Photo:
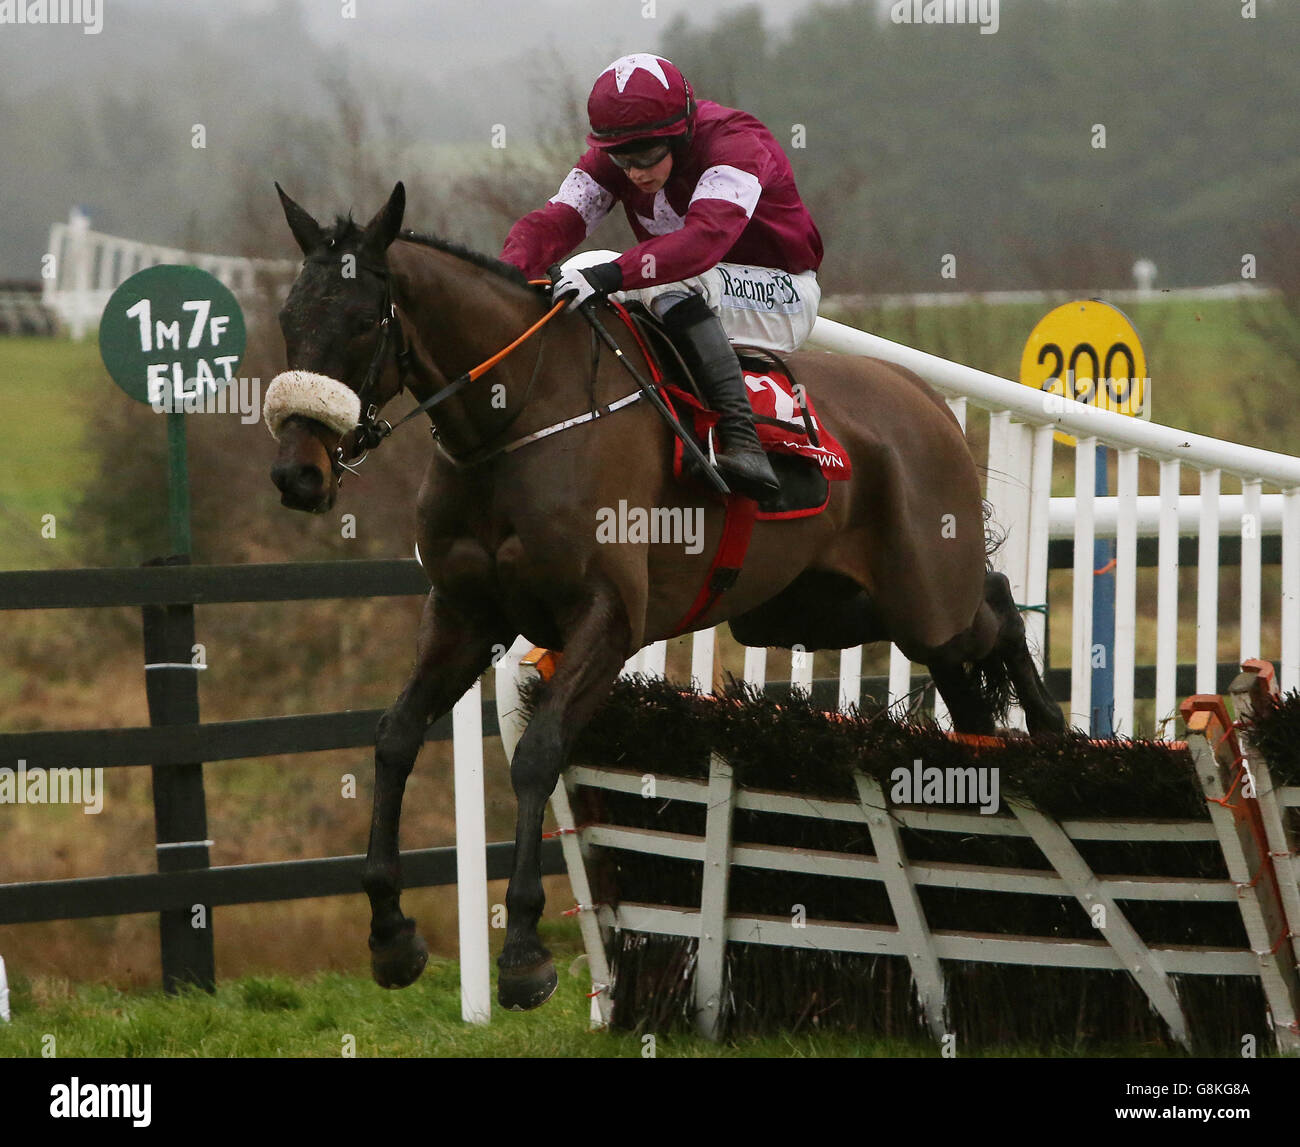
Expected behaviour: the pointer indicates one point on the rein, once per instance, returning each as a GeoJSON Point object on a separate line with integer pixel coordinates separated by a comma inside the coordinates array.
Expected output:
{"type": "Point", "coordinates": [372, 430]}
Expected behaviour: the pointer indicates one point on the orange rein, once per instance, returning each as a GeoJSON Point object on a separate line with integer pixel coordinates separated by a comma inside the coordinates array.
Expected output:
{"type": "Point", "coordinates": [488, 364]}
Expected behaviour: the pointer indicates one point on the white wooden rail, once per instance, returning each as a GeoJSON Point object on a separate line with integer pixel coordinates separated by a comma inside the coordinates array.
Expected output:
{"type": "Point", "coordinates": [87, 266]}
{"type": "Point", "coordinates": [1021, 427]}
{"type": "Point", "coordinates": [1022, 423]}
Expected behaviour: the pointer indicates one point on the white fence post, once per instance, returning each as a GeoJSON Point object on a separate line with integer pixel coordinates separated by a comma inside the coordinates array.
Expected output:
{"type": "Point", "coordinates": [78, 260]}
{"type": "Point", "coordinates": [710, 972]}
{"type": "Point", "coordinates": [1085, 469]}
{"type": "Point", "coordinates": [471, 857]}
{"type": "Point", "coordinates": [1291, 590]}
{"type": "Point", "coordinates": [1040, 504]}
{"type": "Point", "coordinates": [1126, 593]}
{"type": "Point", "coordinates": [900, 681]}
{"type": "Point", "coordinates": [1252, 533]}
{"type": "Point", "coordinates": [702, 646]}
{"type": "Point", "coordinates": [1207, 586]}
{"type": "Point", "coordinates": [1167, 602]}
{"type": "Point", "coordinates": [654, 658]}
{"type": "Point", "coordinates": [801, 672]}
{"type": "Point", "coordinates": [850, 678]}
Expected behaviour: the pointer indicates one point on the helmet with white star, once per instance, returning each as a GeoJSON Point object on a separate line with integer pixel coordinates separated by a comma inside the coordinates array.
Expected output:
{"type": "Point", "coordinates": [641, 96]}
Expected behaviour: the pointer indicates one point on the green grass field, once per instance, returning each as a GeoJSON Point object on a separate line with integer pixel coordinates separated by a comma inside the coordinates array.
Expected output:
{"type": "Point", "coordinates": [331, 1014]}
{"type": "Point", "coordinates": [48, 392]}
{"type": "Point", "coordinates": [313, 1016]}
{"type": "Point", "coordinates": [279, 1016]}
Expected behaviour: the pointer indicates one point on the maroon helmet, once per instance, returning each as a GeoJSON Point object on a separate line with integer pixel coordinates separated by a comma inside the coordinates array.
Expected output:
{"type": "Point", "coordinates": [641, 96]}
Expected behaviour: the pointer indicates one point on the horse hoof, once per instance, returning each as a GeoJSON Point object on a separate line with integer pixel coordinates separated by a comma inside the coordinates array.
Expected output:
{"type": "Point", "coordinates": [399, 962]}
{"type": "Point", "coordinates": [522, 990]}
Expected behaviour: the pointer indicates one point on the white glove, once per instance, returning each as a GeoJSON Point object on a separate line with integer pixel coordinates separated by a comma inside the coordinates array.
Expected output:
{"type": "Point", "coordinates": [584, 283]}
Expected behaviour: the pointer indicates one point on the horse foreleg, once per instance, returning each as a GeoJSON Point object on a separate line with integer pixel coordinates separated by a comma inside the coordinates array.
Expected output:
{"type": "Point", "coordinates": [1042, 713]}
{"type": "Point", "coordinates": [973, 670]}
{"type": "Point", "coordinates": [453, 648]}
{"type": "Point", "coordinates": [595, 648]}
{"type": "Point", "coordinates": [953, 667]}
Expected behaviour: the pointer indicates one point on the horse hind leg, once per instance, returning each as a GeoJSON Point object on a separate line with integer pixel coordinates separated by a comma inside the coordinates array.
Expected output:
{"type": "Point", "coordinates": [1010, 660]}
{"type": "Point", "coordinates": [981, 671]}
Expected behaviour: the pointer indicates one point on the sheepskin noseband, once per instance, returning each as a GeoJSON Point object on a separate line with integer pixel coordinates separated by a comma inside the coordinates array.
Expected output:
{"type": "Point", "coordinates": [315, 396]}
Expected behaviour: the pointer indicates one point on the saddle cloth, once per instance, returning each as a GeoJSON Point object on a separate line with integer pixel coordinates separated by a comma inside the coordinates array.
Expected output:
{"type": "Point", "coordinates": [805, 466]}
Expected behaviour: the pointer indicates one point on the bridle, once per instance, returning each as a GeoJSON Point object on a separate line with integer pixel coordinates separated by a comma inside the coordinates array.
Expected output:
{"type": "Point", "coordinates": [371, 430]}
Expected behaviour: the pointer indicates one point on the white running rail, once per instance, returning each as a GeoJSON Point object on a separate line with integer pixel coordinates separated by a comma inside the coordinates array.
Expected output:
{"type": "Point", "coordinates": [87, 266]}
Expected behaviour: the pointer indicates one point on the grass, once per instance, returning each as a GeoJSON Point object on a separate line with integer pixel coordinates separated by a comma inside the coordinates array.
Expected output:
{"type": "Point", "coordinates": [48, 391]}
{"type": "Point", "coordinates": [280, 1016]}
{"type": "Point", "coordinates": [331, 1014]}
{"type": "Point", "coordinates": [275, 1016]}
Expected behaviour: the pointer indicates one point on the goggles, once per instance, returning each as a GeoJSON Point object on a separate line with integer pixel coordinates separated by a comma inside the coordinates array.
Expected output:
{"type": "Point", "coordinates": [641, 159]}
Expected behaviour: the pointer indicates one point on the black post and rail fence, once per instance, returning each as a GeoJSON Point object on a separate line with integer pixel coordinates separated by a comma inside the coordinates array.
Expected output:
{"type": "Point", "coordinates": [175, 745]}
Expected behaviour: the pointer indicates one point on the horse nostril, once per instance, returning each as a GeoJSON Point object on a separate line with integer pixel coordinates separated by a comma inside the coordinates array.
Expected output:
{"type": "Point", "coordinates": [301, 482]}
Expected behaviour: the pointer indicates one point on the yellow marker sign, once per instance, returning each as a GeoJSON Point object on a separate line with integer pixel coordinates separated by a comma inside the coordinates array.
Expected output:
{"type": "Point", "coordinates": [1088, 351]}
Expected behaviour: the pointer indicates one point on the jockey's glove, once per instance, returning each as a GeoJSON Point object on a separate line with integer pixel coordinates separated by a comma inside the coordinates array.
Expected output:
{"type": "Point", "coordinates": [583, 283]}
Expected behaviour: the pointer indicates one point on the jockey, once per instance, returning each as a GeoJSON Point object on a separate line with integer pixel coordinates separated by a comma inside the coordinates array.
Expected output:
{"type": "Point", "coordinates": [726, 247]}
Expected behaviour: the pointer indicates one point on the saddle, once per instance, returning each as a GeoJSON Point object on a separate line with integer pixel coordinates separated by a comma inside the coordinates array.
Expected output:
{"type": "Point", "coordinates": [804, 455]}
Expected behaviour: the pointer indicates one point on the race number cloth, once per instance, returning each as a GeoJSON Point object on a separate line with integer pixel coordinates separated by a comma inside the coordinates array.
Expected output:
{"type": "Point", "coordinates": [805, 469]}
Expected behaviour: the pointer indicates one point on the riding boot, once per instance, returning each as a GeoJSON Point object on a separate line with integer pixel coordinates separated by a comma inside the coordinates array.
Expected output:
{"type": "Point", "coordinates": [698, 334]}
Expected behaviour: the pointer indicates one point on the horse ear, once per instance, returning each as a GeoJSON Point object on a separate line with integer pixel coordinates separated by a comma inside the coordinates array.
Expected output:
{"type": "Point", "coordinates": [386, 224]}
{"type": "Point", "coordinates": [305, 229]}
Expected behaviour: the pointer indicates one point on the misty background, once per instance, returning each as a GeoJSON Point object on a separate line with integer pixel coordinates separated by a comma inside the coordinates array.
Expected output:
{"type": "Point", "coordinates": [920, 141]}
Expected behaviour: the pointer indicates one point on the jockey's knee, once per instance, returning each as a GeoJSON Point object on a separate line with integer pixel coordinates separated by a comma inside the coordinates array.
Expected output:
{"type": "Point", "coordinates": [662, 304]}
{"type": "Point", "coordinates": [662, 297]}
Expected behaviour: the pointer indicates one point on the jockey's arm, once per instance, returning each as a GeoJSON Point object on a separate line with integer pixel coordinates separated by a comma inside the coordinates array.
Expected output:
{"type": "Point", "coordinates": [712, 224]}
{"type": "Point", "coordinates": [545, 236]}
{"type": "Point", "coordinates": [736, 170]}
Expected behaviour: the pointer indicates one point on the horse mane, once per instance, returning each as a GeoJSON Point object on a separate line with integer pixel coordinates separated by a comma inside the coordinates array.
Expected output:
{"type": "Point", "coordinates": [345, 228]}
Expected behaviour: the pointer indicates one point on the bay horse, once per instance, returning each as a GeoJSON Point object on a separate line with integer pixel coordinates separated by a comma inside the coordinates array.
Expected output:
{"type": "Point", "coordinates": [508, 539]}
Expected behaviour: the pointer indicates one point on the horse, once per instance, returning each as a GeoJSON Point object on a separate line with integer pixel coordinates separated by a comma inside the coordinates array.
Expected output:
{"type": "Point", "coordinates": [507, 526]}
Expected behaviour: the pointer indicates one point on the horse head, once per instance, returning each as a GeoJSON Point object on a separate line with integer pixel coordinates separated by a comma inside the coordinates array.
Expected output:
{"type": "Point", "coordinates": [338, 324]}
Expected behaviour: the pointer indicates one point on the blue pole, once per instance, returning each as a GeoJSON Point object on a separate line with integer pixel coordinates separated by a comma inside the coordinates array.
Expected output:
{"type": "Point", "coordinates": [1103, 622]}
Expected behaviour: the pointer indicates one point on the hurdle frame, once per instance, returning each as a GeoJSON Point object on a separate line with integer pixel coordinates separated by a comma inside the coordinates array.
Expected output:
{"type": "Point", "coordinates": [1217, 759]}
